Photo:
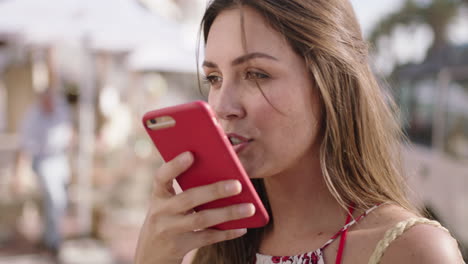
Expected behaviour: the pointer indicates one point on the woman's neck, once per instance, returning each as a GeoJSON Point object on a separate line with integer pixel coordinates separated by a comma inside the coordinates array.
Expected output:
{"type": "Point", "coordinates": [301, 204]}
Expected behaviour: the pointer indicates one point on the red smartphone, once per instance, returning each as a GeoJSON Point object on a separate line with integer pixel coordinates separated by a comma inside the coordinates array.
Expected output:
{"type": "Point", "coordinates": [193, 127]}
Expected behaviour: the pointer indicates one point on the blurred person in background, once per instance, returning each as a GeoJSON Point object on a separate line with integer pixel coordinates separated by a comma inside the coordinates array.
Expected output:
{"type": "Point", "coordinates": [319, 139]}
{"type": "Point", "coordinates": [45, 136]}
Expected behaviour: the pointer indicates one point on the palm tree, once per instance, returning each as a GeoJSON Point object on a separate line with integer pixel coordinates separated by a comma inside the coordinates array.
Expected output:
{"type": "Point", "coordinates": [437, 14]}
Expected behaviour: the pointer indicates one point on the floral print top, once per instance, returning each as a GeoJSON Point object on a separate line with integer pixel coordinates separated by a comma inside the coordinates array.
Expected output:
{"type": "Point", "coordinates": [314, 257]}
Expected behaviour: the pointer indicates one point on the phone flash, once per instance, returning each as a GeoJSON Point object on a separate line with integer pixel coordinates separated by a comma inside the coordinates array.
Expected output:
{"type": "Point", "coordinates": [160, 122]}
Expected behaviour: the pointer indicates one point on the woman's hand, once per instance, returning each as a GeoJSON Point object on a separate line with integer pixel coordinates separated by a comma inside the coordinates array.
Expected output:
{"type": "Point", "coordinates": [171, 230]}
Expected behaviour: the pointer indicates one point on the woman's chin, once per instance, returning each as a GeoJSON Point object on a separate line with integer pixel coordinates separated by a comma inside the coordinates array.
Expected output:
{"type": "Point", "coordinates": [255, 173]}
{"type": "Point", "coordinates": [253, 170]}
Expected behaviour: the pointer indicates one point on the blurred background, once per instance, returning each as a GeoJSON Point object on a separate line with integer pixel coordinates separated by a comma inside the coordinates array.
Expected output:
{"type": "Point", "coordinates": [93, 67]}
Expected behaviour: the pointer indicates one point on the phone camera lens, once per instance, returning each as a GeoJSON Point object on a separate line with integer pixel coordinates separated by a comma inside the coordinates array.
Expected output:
{"type": "Point", "coordinates": [153, 121]}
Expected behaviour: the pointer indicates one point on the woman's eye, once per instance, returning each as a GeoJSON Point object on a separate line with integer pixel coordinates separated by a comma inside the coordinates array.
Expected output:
{"type": "Point", "coordinates": [213, 79]}
{"type": "Point", "coordinates": [251, 75]}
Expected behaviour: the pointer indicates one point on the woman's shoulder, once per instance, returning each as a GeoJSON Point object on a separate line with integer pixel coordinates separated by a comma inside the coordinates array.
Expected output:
{"type": "Point", "coordinates": [400, 236]}
{"type": "Point", "coordinates": [423, 243]}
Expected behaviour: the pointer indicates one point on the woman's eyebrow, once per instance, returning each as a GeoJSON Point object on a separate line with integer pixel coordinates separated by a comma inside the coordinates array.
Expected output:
{"type": "Point", "coordinates": [241, 59]}
{"type": "Point", "coordinates": [250, 56]}
{"type": "Point", "coordinates": [209, 64]}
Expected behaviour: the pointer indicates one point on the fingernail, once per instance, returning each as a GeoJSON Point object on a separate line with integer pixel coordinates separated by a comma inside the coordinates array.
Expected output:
{"type": "Point", "coordinates": [186, 157]}
{"type": "Point", "coordinates": [233, 187]}
{"type": "Point", "coordinates": [247, 209]}
{"type": "Point", "coordinates": [241, 231]}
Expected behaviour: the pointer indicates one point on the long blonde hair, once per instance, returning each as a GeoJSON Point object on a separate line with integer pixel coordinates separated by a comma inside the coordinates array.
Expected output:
{"type": "Point", "coordinates": [361, 137]}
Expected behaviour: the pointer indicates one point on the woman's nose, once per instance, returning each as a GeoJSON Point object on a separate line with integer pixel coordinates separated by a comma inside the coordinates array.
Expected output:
{"type": "Point", "coordinates": [227, 102]}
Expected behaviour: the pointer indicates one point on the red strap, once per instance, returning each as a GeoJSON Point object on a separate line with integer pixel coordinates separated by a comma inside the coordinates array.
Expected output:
{"type": "Point", "coordinates": [339, 255]}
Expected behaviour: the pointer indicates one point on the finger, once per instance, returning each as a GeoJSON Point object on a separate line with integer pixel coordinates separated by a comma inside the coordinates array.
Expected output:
{"type": "Point", "coordinates": [169, 171]}
{"type": "Point", "coordinates": [212, 236]}
{"type": "Point", "coordinates": [207, 218]}
{"type": "Point", "coordinates": [196, 196]}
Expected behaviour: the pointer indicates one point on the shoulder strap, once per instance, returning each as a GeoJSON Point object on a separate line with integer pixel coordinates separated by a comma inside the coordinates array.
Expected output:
{"type": "Point", "coordinates": [339, 254]}
{"type": "Point", "coordinates": [397, 231]}
{"type": "Point", "coordinates": [349, 224]}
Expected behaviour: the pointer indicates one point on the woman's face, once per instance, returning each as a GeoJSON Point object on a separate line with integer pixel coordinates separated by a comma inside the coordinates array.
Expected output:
{"type": "Point", "coordinates": [269, 138]}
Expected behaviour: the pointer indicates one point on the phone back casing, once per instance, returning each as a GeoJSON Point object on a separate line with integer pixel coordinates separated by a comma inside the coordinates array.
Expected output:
{"type": "Point", "coordinates": [197, 131]}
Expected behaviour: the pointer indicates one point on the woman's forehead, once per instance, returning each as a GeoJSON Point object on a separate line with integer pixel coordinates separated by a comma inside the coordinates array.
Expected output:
{"type": "Point", "coordinates": [227, 32]}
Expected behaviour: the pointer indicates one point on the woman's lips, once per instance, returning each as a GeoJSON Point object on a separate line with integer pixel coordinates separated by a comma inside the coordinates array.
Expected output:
{"type": "Point", "coordinates": [239, 147]}
{"type": "Point", "coordinates": [238, 142]}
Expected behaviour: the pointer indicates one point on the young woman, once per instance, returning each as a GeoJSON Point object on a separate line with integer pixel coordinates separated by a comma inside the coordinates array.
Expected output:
{"type": "Point", "coordinates": [290, 80]}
